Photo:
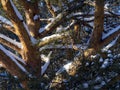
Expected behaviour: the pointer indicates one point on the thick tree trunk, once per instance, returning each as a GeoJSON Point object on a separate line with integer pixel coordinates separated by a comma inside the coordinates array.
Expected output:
{"type": "Point", "coordinates": [96, 37]}
{"type": "Point", "coordinates": [29, 52]}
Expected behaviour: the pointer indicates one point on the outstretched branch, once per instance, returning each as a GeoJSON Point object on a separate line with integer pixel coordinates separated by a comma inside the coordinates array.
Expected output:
{"type": "Point", "coordinates": [49, 6]}
{"type": "Point", "coordinates": [110, 36]}
{"type": "Point", "coordinates": [10, 43]}
{"type": "Point", "coordinates": [7, 27]}
{"type": "Point", "coordinates": [49, 39]}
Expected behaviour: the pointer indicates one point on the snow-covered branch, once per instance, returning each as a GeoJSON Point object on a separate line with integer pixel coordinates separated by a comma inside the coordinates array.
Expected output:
{"type": "Point", "coordinates": [111, 32]}
{"type": "Point", "coordinates": [49, 39]}
{"type": "Point", "coordinates": [5, 20]}
{"type": "Point", "coordinates": [16, 10]}
{"type": "Point", "coordinates": [55, 21]}
{"type": "Point", "coordinates": [17, 57]}
{"type": "Point", "coordinates": [7, 27]}
{"type": "Point", "coordinates": [47, 62]}
{"type": "Point", "coordinates": [10, 43]}
{"type": "Point", "coordinates": [110, 36]}
{"type": "Point", "coordinates": [8, 59]}
{"type": "Point", "coordinates": [60, 46]}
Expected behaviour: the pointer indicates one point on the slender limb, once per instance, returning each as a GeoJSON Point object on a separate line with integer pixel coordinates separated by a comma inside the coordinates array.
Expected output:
{"type": "Point", "coordinates": [7, 27]}
{"type": "Point", "coordinates": [49, 6]}
{"type": "Point", "coordinates": [10, 43]}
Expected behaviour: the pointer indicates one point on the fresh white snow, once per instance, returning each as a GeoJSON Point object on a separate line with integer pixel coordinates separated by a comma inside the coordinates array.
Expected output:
{"type": "Point", "coordinates": [105, 64]}
{"type": "Point", "coordinates": [11, 41]}
{"type": "Point", "coordinates": [67, 66]}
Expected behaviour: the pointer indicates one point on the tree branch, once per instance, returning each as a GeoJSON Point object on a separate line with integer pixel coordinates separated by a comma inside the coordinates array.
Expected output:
{"type": "Point", "coordinates": [47, 62]}
{"type": "Point", "coordinates": [49, 6]}
{"type": "Point", "coordinates": [49, 39]}
{"type": "Point", "coordinates": [114, 33]}
{"type": "Point", "coordinates": [59, 18]}
{"type": "Point", "coordinates": [10, 64]}
{"type": "Point", "coordinates": [7, 27]}
{"type": "Point", "coordinates": [30, 51]}
{"type": "Point", "coordinates": [10, 43]}
{"type": "Point", "coordinates": [16, 20]}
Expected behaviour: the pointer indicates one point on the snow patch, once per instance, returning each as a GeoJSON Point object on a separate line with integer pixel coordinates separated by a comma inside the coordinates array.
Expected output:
{"type": "Point", "coordinates": [41, 30]}
{"type": "Point", "coordinates": [85, 85]}
{"type": "Point", "coordinates": [105, 64]}
{"type": "Point", "coordinates": [101, 59]}
{"type": "Point", "coordinates": [36, 17]}
{"type": "Point", "coordinates": [55, 8]}
{"type": "Point", "coordinates": [67, 66]}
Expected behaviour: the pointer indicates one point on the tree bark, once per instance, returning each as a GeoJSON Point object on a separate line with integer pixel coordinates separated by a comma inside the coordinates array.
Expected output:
{"type": "Point", "coordinates": [29, 53]}
{"type": "Point", "coordinates": [32, 16]}
{"type": "Point", "coordinates": [96, 37]}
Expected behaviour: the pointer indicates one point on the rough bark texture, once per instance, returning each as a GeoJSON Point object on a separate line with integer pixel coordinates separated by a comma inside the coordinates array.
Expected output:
{"type": "Point", "coordinates": [32, 16]}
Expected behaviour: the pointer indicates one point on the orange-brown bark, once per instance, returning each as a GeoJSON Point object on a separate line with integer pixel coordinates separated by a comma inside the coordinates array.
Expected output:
{"type": "Point", "coordinates": [49, 6]}
{"type": "Point", "coordinates": [31, 9]}
{"type": "Point", "coordinates": [29, 53]}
